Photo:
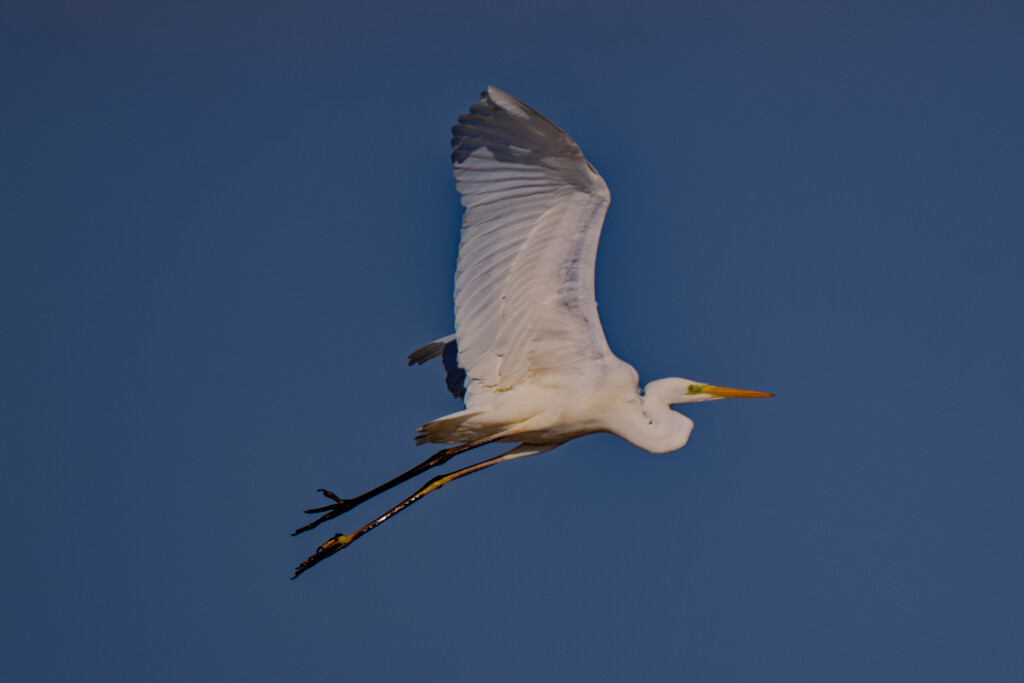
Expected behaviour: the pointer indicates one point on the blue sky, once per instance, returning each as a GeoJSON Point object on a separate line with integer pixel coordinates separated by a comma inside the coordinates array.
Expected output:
{"type": "Point", "coordinates": [224, 226]}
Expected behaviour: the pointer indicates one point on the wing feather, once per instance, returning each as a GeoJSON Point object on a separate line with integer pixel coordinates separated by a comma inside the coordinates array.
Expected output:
{"type": "Point", "coordinates": [524, 286]}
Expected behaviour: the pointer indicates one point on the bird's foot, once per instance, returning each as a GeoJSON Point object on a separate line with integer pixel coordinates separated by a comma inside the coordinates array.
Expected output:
{"type": "Point", "coordinates": [333, 545]}
{"type": "Point", "coordinates": [327, 512]}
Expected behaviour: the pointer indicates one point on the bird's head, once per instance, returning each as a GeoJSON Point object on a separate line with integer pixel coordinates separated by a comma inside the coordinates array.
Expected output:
{"type": "Point", "coordinates": [677, 391]}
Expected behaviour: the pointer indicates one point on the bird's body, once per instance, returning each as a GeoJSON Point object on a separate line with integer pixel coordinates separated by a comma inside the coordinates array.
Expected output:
{"type": "Point", "coordinates": [547, 410]}
{"type": "Point", "coordinates": [528, 337]}
{"type": "Point", "coordinates": [554, 412]}
{"type": "Point", "coordinates": [529, 356]}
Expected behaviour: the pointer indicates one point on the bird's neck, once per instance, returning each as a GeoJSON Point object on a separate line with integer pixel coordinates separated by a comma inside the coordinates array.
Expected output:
{"type": "Point", "coordinates": [663, 429]}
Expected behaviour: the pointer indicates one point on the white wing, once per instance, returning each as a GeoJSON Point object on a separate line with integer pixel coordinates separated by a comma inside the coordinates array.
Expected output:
{"type": "Point", "coordinates": [524, 287]}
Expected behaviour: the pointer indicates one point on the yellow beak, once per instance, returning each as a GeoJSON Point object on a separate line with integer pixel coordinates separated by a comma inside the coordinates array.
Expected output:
{"type": "Point", "coordinates": [726, 392]}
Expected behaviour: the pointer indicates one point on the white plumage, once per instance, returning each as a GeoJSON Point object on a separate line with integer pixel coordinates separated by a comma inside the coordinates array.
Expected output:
{"type": "Point", "coordinates": [524, 286]}
{"type": "Point", "coordinates": [529, 339]}
{"type": "Point", "coordinates": [532, 361]}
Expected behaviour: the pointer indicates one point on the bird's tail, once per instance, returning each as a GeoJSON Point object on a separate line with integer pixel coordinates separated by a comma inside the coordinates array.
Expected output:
{"type": "Point", "coordinates": [449, 429]}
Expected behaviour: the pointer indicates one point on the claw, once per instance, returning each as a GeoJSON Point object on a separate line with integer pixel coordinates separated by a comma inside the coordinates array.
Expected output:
{"type": "Point", "coordinates": [325, 508]}
{"type": "Point", "coordinates": [327, 512]}
{"type": "Point", "coordinates": [331, 496]}
{"type": "Point", "coordinates": [331, 514]}
{"type": "Point", "coordinates": [333, 545]}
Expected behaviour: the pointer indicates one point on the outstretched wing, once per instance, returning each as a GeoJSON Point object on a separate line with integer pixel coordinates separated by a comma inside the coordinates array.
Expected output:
{"type": "Point", "coordinates": [524, 286]}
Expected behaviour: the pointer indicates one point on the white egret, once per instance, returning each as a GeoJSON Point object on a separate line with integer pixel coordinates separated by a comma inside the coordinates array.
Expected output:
{"type": "Point", "coordinates": [528, 355]}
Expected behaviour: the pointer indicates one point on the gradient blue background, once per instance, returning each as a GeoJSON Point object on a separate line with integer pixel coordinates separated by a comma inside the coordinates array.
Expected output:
{"type": "Point", "coordinates": [224, 225]}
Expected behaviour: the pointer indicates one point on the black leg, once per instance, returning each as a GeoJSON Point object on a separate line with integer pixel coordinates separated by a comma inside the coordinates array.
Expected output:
{"type": "Point", "coordinates": [342, 505]}
{"type": "Point", "coordinates": [340, 541]}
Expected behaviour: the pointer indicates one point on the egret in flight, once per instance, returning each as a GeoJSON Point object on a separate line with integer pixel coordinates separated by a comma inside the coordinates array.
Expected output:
{"type": "Point", "coordinates": [528, 357]}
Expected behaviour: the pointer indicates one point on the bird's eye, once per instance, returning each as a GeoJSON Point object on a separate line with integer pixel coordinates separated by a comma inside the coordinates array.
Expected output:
{"type": "Point", "coordinates": [693, 388]}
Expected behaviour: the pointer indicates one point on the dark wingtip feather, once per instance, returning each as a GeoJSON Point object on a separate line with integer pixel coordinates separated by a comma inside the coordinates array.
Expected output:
{"type": "Point", "coordinates": [428, 351]}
